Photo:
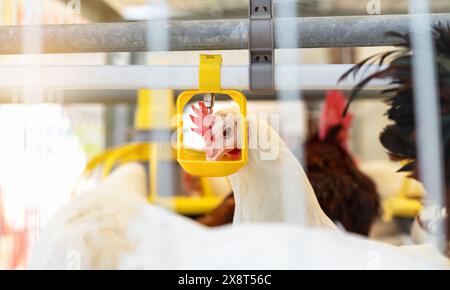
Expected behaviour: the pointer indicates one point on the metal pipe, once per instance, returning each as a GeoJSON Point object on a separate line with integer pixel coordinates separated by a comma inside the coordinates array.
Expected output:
{"type": "Point", "coordinates": [427, 110]}
{"type": "Point", "coordinates": [291, 124]}
{"type": "Point", "coordinates": [314, 32]}
{"type": "Point", "coordinates": [106, 96]}
{"type": "Point", "coordinates": [174, 77]}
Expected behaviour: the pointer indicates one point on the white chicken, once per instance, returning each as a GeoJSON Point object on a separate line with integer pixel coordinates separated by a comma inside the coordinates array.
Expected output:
{"type": "Point", "coordinates": [113, 227]}
{"type": "Point", "coordinates": [258, 187]}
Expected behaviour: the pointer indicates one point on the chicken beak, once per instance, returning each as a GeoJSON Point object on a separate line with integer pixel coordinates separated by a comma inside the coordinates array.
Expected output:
{"type": "Point", "coordinates": [214, 154]}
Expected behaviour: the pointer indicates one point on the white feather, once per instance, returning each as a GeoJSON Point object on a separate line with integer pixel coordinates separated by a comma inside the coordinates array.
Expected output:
{"type": "Point", "coordinates": [113, 227]}
{"type": "Point", "coordinates": [258, 187]}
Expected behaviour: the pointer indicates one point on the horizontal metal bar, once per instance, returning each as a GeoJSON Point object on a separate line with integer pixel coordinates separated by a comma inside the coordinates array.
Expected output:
{"type": "Point", "coordinates": [85, 96]}
{"type": "Point", "coordinates": [314, 32]}
{"type": "Point", "coordinates": [287, 77]}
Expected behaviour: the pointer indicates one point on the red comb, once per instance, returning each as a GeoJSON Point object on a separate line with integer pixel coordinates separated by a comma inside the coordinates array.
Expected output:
{"type": "Point", "coordinates": [203, 120]}
{"type": "Point", "coordinates": [335, 103]}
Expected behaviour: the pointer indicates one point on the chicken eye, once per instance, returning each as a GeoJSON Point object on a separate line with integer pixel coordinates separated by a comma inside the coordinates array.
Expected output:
{"type": "Point", "coordinates": [227, 132]}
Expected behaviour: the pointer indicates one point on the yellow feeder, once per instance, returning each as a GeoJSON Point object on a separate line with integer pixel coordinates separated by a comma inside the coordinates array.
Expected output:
{"type": "Point", "coordinates": [402, 205]}
{"type": "Point", "coordinates": [194, 162]}
{"type": "Point", "coordinates": [153, 114]}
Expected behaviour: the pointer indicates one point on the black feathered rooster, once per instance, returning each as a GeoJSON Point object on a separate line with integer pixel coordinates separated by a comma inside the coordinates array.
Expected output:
{"type": "Point", "coordinates": [399, 138]}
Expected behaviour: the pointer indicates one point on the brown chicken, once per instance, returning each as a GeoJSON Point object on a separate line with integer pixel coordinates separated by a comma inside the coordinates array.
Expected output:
{"type": "Point", "coordinates": [345, 194]}
{"type": "Point", "coordinates": [221, 215]}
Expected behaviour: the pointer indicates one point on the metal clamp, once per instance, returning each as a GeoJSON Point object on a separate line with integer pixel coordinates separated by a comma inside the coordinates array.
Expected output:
{"type": "Point", "coordinates": [261, 47]}
{"type": "Point", "coordinates": [209, 78]}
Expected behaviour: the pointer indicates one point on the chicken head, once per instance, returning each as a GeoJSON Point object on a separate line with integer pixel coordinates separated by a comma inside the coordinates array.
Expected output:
{"type": "Point", "coordinates": [221, 132]}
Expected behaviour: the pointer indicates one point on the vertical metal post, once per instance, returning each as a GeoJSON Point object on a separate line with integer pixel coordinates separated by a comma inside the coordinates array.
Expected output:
{"type": "Point", "coordinates": [167, 175]}
{"type": "Point", "coordinates": [427, 107]}
{"type": "Point", "coordinates": [291, 121]}
{"type": "Point", "coordinates": [157, 36]}
{"type": "Point", "coordinates": [261, 45]}
{"type": "Point", "coordinates": [117, 116]}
